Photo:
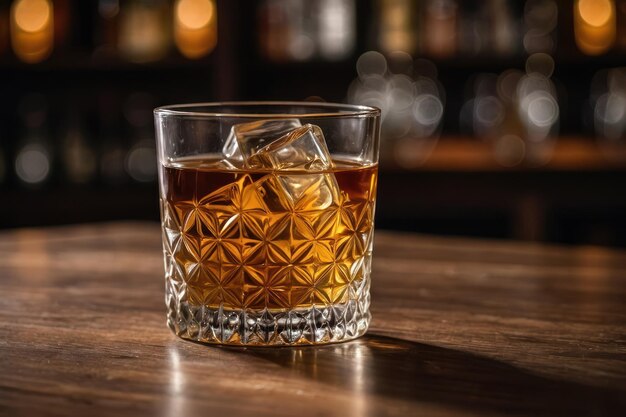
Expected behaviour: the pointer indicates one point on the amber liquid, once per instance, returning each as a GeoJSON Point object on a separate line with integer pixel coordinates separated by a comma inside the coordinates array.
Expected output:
{"type": "Point", "coordinates": [237, 240]}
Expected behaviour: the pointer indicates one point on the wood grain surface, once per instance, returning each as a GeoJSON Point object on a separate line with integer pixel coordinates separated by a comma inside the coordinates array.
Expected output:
{"type": "Point", "coordinates": [461, 327]}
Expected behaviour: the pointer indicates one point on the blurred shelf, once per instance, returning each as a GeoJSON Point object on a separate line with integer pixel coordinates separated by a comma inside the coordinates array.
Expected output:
{"type": "Point", "coordinates": [466, 154]}
{"type": "Point", "coordinates": [83, 62]}
{"type": "Point", "coordinates": [494, 63]}
{"type": "Point", "coordinates": [56, 204]}
{"type": "Point", "coordinates": [313, 63]}
{"type": "Point", "coordinates": [479, 62]}
{"type": "Point", "coordinates": [568, 207]}
{"type": "Point", "coordinates": [296, 72]}
{"type": "Point", "coordinates": [266, 80]}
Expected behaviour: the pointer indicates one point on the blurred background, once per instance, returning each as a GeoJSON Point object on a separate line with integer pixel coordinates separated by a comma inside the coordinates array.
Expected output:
{"type": "Point", "coordinates": [501, 118]}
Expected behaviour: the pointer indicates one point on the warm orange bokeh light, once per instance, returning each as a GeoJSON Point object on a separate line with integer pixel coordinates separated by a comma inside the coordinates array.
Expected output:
{"type": "Point", "coordinates": [194, 14]}
{"type": "Point", "coordinates": [594, 25]}
{"type": "Point", "coordinates": [195, 27]}
{"type": "Point", "coordinates": [32, 29]}
{"type": "Point", "coordinates": [595, 12]}
{"type": "Point", "coordinates": [32, 15]}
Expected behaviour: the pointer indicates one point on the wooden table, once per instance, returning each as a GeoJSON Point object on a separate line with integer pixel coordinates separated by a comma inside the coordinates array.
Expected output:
{"type": "Point", "coordinates": [461, 327]}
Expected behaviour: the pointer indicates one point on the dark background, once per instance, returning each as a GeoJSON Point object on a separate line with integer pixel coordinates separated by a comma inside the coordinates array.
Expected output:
{"type": "Point", "coordinates": [87, 109]}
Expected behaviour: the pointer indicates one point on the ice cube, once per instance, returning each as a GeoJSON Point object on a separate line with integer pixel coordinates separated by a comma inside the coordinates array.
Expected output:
{"type": "Point", "coordinates": [302, 148]}
{"type": "Point", "coordinates": [311, 191]}
{"type": "Point", "coordinates": [298, 192]}
{"type": "Point", "coordinates": [231, 149]}
{"type": "Point", "coordinates": [252, 136]}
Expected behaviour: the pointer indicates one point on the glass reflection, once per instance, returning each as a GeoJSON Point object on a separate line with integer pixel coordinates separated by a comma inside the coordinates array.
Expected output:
{"type": "Point", "coordinates": [176, 387]}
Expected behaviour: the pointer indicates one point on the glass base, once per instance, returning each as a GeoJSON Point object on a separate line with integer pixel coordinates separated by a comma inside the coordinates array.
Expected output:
{"type": "Point", "coordinates": [309, 326]}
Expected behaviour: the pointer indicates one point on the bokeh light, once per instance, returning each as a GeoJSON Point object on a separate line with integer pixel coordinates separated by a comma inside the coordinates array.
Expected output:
{"type": "Point", "coordinates": [517, 112]}
{"type": "Point", "coordinates": [32, 164]}
{"type": "Point", "coordinates": [539, 110]}
{"type": "Point", "coordinates": [412, 106]}
{"type": "Point", "coordinates": [144, 35]}
{"type": "Point", "coordinates": [540, 63]}
{"type": "Point", "coordinates": [396, 26]}
{"type": "Point", "coordinates": [540, 21]}
{"type": "Point", "coordinates": [141, 162]}
{"type": "Point", "coordinates": [194, 14]}
{"type": "Point", "coordinates": [371, 63]}
{"type": "Point", "coordinates": [441, 26]}
{"type": "Point", "coordinates": [32, 29]}
{"type": "Point", "coordinates": [337, 32]}
{"type": "Point", "coordinates": [595, 12]}
{"type": "Point", "coordinates": [608, 98]}
{"type": "Point", "coordinates": [79, 158]}
{"type": "Point", "coordinates": [300, 30]}
{"type": "Point", "coordinates": [32, 15]}
{"type": "Point", "coordinates": [195, 27]}
{"type": "Point", "coordinates": [509, 150]}
{"type": "Point", "coordinates": [594, 25]}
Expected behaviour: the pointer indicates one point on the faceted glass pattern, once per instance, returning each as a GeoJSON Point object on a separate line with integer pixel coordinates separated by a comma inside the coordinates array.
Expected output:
{"type": "Point", "coordinates": [267, 236]}
{"type": "Point", "coordinates": [246, 263]}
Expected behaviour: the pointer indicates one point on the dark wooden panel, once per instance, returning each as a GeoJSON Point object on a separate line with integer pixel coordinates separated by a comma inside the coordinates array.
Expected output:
{"type": "Point", "coordinates": [461, 327]}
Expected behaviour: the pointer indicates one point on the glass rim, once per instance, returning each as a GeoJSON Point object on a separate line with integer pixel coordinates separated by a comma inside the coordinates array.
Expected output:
{"type": "Point", "coordinates": [334, 110]}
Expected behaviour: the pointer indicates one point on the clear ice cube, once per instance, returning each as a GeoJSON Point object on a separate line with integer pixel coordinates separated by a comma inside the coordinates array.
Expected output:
{"type": "Point", "coordinates": [311, 191]}
{"type": "Point", "coordinates": [252, 136]}
{"type": "Point", "coordinates": [298, 192]}
{"type": "Point", "coordinates": [302, 149]}
{"type": "Point", "coordinates": [231, 149]}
